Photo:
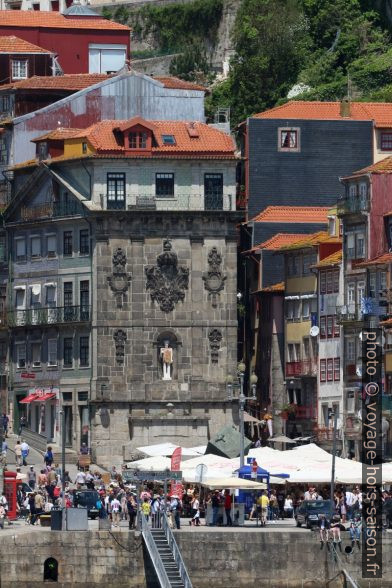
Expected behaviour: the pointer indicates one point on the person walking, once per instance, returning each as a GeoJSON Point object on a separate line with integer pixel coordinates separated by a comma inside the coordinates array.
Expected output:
{"type": "Point", "coordinates": [25, 452]}
{"type": "Point", "coordinates": [176, 507]}
{"type": "Point", "coordinates": [2, 516]}
{"type": "Point", "coordinates": [146, 508]}
{"type": "Point", "coordinates": [22, 424]}
{"type": "Point", "coordinates": [281, 498]}
{"type": "Point", "coordinates": [131, 506]}
{"type": "Point", "coordinates": [116, 510]}
{"type": "Point", "coordinates": [48, 457]}
{"type": "Point", "coordinates": [227, 505]}
{"type": "Point", "coordinates": [18, 453]}
{"type": "Point", "coordinates": [31, 477]}
{"type": "Point", "coordinates": [195, 505]}
{"type": "Point", "coordinates": [215, 503]}
{"type": "Point", "coordinates": [5, 423]}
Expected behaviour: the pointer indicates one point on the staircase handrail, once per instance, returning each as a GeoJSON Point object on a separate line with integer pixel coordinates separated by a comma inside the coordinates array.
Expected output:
{"type": "Point", "coordinates": [176, 552]}
{"type": "Point", "coordinates": [154, 554]}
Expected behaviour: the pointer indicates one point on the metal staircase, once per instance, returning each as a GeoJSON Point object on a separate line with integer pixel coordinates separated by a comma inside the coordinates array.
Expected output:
{"type": "Point", "coordinates": [164, 553]}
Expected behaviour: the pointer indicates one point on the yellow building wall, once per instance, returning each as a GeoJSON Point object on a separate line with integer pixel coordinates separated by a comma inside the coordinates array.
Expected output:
{"type": "Point", "coordinates": [74, 148]}
{"type": "Point", "coordinates": [301, 285]}
{"type": "Point", "coordinates": [388, 362]}
{"type": "Point", "coordinates": [296, 331]}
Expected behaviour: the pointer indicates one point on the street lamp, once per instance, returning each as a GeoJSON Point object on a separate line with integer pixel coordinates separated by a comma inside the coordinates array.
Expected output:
{"type": "Point", "coordinates": [62, 415]}
{"type": "Point", "coordinates": [253, 383]}
{"type": "Point", "coordinates": [229, 385]}
{"type": "Point", "coordinates": [334, 416]}
{"type": "Point", "coordinates": [242, 400]}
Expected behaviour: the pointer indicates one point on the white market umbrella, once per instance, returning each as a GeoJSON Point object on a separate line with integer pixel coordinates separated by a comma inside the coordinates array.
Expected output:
{"type": "Point", "coordinates": [233, 484]}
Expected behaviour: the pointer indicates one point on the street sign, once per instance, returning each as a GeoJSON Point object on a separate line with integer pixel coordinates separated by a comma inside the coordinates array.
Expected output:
{"type": "Point", "coordinates": [28, 375]}
{"type": "Point", "coordinates": [138, 476]}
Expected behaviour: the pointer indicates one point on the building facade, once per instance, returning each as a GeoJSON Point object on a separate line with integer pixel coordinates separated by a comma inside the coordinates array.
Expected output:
{"type": "Point", "coordinates": [127, 280]}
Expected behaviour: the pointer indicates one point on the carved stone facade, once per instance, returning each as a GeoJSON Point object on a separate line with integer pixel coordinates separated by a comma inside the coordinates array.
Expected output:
{"type": "Point", "coordinates": [119, 280]}
{"type": "Point", "coordinates": [214, 280]}
{"type": "Point", "coordinates": [167, 256]}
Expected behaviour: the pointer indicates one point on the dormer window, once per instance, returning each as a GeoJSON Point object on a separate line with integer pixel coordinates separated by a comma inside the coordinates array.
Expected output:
{"type": "Point", "coordinates": [168, 140]}
{"type": "Point", "coordinates": [42, 150]}
{"type": "Point", "coordinates": [138, 140]}
{"type": "Point", "coordinates": [19, 69]}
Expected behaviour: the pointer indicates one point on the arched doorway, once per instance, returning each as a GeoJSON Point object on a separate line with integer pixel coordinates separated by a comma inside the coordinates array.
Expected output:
{"type": "Point", "coordinates": [51, 571]}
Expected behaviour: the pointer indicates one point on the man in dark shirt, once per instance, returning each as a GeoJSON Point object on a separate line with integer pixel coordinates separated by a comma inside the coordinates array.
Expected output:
{"type": "Point", "coordinates": [215, 502]}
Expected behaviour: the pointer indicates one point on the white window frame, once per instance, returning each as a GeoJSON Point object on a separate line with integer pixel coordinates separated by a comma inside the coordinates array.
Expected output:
{"type": "Point", "coordinates": [350, 349]}
{"type": "Point", "coordinates": [19, 242]}
{"type": "Point", "coordinates": [51, 252]}
{"type": "Point", "coordinates": [20, 353]}
{"type": "Point", "coordinates": [383, 280]}
{"type": "Point", "coordinates": [34, 241]}
{"type": "Point", "coordinates": [36, 363]}
{"type": "Point", "coordinates": [52, 352]}
{"type": "Point", "coordinates": [19, 69]}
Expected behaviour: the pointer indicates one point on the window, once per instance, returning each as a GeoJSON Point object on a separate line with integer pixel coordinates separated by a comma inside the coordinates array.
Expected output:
{"type": "Point", "coordinates": [168, 140]}
{"type": "Point", "coordinates": [84, 242]}
{"type": "Point", "coordinates": [323, 332]}
{"type": "Point", "coordinates": [351, 293]}
{"type": "Point", "coordinates": [50, 295]}
{"type": "Point", "coordinates": [116, 191]}
{"type": "Point", "coordinates": [213, 191]}
{"type": "Point", "coordinates": [3, 151]}
{"type": "Point", "coordinates": [19, 298]}
{"type": "Point", "coordinates": [52, 352]}
{"type": "Point", "coordinates": [329, 282]}
{"type": "Point", "coordinates": [55, 5]}
{"type": "Point", "coordinates": [336, 327]}
{"type": "Point", "coordinates": [67, 243]}
{"type": "Point", "coordinates": [42, 149]}
{"type": "Point", "coordinates": [290, 352]}
{"type": "Point", "coordinates": [360, 291]}
{"type": "Point", "coordinates": [3, 248]}
{"type": "Point", "coordinates": [305, 308]}
{"type": "Point", "coordinates": [350, 350]}
{"type": "Point", "coordinates": [36, 354]}
{"type": "Point", "coordinates": [20, 249]}
{"type": "Point", "coordinates": [20, 355]}
{"type": "Point", "coordinates": [306, 264]}
{"type": "Point", "coordinates": [329, 327]}
{"type": "Point", "coordinates": [68, 294]}
{"type": "Point", "coordinates": [353, 190]}
{"type": "Point", "coordinates": [351, 245]}
{"type": "Point", "coordinates": [84, 147]}
{"type": "Point", "coordinates": [35, 295]}
{"type": "Point", "coordinates": [336, 369]}
{"type": "Point", "coordinates": [336, 281]}
{"type": "Point", "coordinates": [164, 184]}
{"type": "Point", "coordinates": [297, 351]}
{"type": "Point", "coordinates": [84, 299]}
{"type": "Point", "coordinates": [323, 369]}
{"type": "Point", "coordinates": [4, 103]}
{"type": "Point", "coordinates": [323, 282]}
{"type": "Point", "coordinates": [329, 370]}
{"type": "Point", "coordinates": [372, 284]}
{"type": "Point", "coordinates": [360, 246]}
{"type": "Point", "coordinates": [137, 140]}
{"type": "Point", "coordinates": [82, 396]}
{"type": "Point", "coordinates": [386, 141]}
{"type": "Point", "coordinates": [68, 351]}
{"type": "Point", "coordinates": [35, 247]}
{"type": "Point", "coordinates": [363, 190]}
{"type": "Point", "coordinates": [331, 226]}
{"type": "Point", "coordinates": [296, 266]}
{"type": "Point", "coordinates": [51, 245]}
{"type": "Point", "coordinates": [306, 348]}
{"type": "Point", "coordinates": [106, 58]}
{"type": "Point", "coordinates": [297, 309]}
{"type": "Point", "coordinates": [289, 310]}
{"type": "Point", "coordinates": [383, 281]}
{"type": "Point", "coordinates": [19, 69]}
{"type": "Point", "coordinates": [84, 351]}
{"type": "Point", "coordinates": [288, 140]}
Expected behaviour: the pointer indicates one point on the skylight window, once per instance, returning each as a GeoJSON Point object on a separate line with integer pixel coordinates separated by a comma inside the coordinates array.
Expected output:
{"type": "Point", "coordinates": [168, 140]}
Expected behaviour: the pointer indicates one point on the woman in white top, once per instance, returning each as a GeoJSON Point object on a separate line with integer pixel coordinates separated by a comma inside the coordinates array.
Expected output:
{"type": "Point", "coordinates": [195, 504]}
{"type": "Point", "coordinates": [288, 507]}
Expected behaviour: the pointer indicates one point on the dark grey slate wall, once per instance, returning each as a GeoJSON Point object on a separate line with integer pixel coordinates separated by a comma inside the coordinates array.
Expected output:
{"type": "Point", "coordinates": [272, 262]}
{"type": "Point", "coordinates": [329, 149]}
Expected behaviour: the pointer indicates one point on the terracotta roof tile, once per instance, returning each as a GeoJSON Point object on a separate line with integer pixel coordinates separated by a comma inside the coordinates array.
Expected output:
{"type": "Point", "coordinates": [331, 260]}
{"type": "Point", "coordinates": [311, 241]}
{"type": "Point", "coordinates": [177, 84]}
{"type": "Point", "coordinates": [57, 134]}
{"type": "Point", "coordinates": [387, 323]}
{"type": "Point", "coordinates": [278, 241]}
{"type": "Point", "coordinates": [72, 82]}
{"type": "Point", "coordinates": [293, 214]}
{"type": "Point", "coordinates": [379, 112]}
{"type": "Point", "coordinates": [55, 20]}
{"type": "Point", "coordinates": [380, 167]}
{"type": "Point", "coordinates": [13, 44]}
{"type": "Point", "coordinates": [280, 287]}
{"type": "Point", "coordinates": [379, 260]}
{"type": "Point", "coordinates": [209, 139]}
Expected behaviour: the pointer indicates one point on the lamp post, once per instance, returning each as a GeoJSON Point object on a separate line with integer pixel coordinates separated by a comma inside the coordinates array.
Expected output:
{"type": "Point", "coordinates": [62, 415]}
{"type": "Point", "coordinates": [334, 416]}
{"type": "Point", "coordinates": [242, 401]}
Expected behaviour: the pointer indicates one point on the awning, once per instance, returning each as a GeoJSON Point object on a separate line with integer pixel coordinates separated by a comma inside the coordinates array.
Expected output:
{"type": "Point", "coordinates": [233, 484]}
{"type": "Point", "coordinates": [44, 397]}
{"type": "Point", "coordinates": [28, 399]}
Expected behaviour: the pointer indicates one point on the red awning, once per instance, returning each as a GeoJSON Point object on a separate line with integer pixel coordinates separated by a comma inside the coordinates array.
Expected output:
{"type": "Point", "coordinates": [44, 397]}
{"type": "Point", "coordinates": [28, 399]}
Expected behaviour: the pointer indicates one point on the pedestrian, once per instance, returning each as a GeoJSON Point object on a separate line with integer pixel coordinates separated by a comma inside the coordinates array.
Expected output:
{"type": "Point", "coordinates": [2, 516]}
{"type": "Point", "coordinates": [48, 457]}
{"type": "Point", "coordinates": [215, 503]}
{"type": "Point", "coordinates": [335, 531]}
{"type": "Point", "coordinates": [31, 478]}
{"type": "Point", "coordinates": [262, 507]}
{"type": "Point", "coordinates": [281, 498]}
{"type": "Point", "coordinates": [80, 479]}
{"type": "Point", "coordinates": [84, 449]}
{"type": "Point", "coordinates": [25, 452]}
{"type": "Point", "coordinates": [18, 453]}
{"type": "Point", "coordinates": [155, 510]}
{"type": "Point", "coordinates": [116, 510]}
{"type": "Point", "coordinates": [4, 449]}
{"type": "Point", "coordinates": [227, 505]}
{"type": "Point", "coordinates": [324, 526]}
{"type": "Point", "coordinates": [32, 508]}
{"type": "Point", "coordinates": [146, 508]}
{"type": "Point", "coordinates": [273, 507]}
{"type": "Point", "coordinates": [355, 530]}
{"type": "Point", "coordinates": [195, 505]}
{"type": "Point", "coordinates": [131, 506]}
{"type": "Point", "coordinates": [288, 507]}
{"type": "Point", "coordinates": [22, 424]}
{"type": "Point", "coordinates": [42, 479]}
{"type": "Point", "coordinates": [5, 422]}
{"type": "Point", "coordinates": [176, 508]}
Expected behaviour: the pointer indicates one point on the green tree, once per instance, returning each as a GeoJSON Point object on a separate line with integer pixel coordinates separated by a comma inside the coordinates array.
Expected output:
{"type": "Point", "coordinates": [192, 64]}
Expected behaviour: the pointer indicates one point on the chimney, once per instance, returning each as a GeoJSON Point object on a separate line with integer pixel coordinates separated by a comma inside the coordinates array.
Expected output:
{"type": "Point", "coordinates": [345, 108]}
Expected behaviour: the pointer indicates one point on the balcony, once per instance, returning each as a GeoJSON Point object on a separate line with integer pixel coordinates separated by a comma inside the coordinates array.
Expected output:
{"type": "Point", "coordinates": [145, 202]}
{"type": "Point", "coordinates": [306, 367]}
{"type": "Point", "coordinates": [50, 210]}
{"type": "Point", "coordinates": [305, 411]}
{"type": "Point", "coordinates": [49, 316]}
{"type": "Point", "coordinates": [353, 205]}
{"type": "Point", "coordinates": [349, 313]}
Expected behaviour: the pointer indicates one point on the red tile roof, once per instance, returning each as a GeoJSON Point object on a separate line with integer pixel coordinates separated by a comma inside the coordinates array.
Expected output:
{"type": "Point", "coordinates": [379, 112]}
{"type": "Point", "coordinates": [13, 44]}
{"type": "Point", "coordinates": [331, 260]}
{"type": "Point", "coordinates": [278, 241]}
{"type": "Point", "coordinates": [55, 20]}
{"type": "Point", "coordinates": [177, 84]}
{"type": "Point", "coordinates": [209, 139]}
{"type": "Point", "coordinates": [57, 134]}
{"type": "Point", "coordinates": [71, 82]}
{"type": "Point", "coordinates": [293, 214]}
{"type": "Point", "coordinates": [380, 167]}
{"type": "Point", "coordinates": [379, 260]}
{"type": "Point", "coordinates": [274, 288]}
{"type": "Point", "coordinates": [311, 241]}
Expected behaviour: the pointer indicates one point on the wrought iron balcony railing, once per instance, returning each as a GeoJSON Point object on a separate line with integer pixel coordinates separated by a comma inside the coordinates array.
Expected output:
{"type": "Point", "coordinates": [49, 316]}
{"type": "Point", "coordinates": [353, 205]}
{"type": "Point", "coordinates": [50, 210]}
{"type": "Point", "coordinates": [212, 201]}
{"type": "Point", "coordinates": [349, 312]}
{"type": "Point", "coordinates": [306, 367]}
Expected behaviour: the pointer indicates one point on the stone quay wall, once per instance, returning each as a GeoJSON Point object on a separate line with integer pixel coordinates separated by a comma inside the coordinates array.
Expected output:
{"type": "Point", "coordinates": [215, 559]}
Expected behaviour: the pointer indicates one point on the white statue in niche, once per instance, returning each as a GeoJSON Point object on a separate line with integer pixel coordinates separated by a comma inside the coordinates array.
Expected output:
{"type": "Point", "coordinates": [166, 354]}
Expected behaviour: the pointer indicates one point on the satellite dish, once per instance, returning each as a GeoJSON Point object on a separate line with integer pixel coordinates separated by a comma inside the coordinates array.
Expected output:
{"type": "Point", "coordinates": [358, 371]}
{"type": "Point", "coordinates": [314, 331]}
{"type": "Point", "coordinates": [201, 473]}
